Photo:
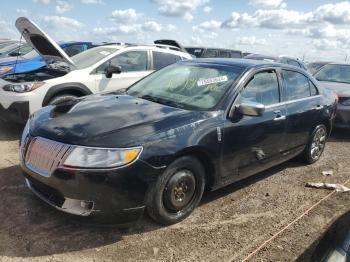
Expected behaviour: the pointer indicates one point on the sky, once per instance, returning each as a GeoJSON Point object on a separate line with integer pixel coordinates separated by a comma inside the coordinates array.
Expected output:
{"type": "Point", "coordinates": [307, 29]}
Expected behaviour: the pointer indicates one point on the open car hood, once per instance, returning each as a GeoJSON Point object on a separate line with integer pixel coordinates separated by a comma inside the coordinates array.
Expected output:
{"type": "Point", "coordinates": [41, 42]}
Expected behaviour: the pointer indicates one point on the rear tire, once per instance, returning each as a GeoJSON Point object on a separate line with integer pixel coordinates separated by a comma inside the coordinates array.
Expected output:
{"type": "Point", "coordinates": [61, 99]}
{"type": "Point", "coordinates": [316, 145]}
{"type": "Point", "coordinates": [175, 194]}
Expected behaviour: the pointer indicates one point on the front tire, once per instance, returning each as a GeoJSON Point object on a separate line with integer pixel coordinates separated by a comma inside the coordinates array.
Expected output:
{"type": "Point", "coordinates": [177, 191]}
{"type": "Point", "coordinates": [315, 147]}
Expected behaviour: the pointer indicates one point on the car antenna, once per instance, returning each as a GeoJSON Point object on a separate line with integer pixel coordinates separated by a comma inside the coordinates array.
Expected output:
{"type": "Point", "coordinates": [19, 50]}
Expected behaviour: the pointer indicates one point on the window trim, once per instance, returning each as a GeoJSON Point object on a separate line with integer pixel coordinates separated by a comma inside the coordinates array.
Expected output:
{"type": "Point", "coordinates": [283, 98]}
{"type": "Point", "coordinates": [250, 77]}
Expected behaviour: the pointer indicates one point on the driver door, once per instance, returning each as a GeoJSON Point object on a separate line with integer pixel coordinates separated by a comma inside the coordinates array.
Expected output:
{"type": "Point", "coordinates": [252, 143]}
{"type": "Point", "coordinates": [134, 66]}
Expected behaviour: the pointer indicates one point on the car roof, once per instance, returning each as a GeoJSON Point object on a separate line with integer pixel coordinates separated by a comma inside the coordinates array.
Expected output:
{"type": "Point", "coordinates": [243, 63]}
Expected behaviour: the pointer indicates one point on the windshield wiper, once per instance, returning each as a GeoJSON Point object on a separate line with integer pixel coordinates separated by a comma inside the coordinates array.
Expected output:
{"type": "Point", "coordinates": [161, 101]}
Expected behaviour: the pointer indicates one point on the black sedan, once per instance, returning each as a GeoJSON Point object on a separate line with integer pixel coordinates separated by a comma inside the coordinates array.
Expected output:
{"type": "Point", "coordinates": [193, 125]}
{"type": "Point", "coordinates": [336, 77]}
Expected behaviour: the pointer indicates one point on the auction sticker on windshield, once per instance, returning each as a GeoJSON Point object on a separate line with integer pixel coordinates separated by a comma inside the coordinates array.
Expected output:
{"type": "Point", "coordinates": [213, 80]}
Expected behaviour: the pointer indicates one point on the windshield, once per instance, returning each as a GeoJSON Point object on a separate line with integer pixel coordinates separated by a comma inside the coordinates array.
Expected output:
{"type": "Point", "coordinates": [92, 56]}
{"type": "Point", "coordinates": [30, 55]}
{"type": "Point", "coordinates": [8, 48]}
{"type": "Point", "coordinates": [188, 86]}
{"type": "Point", "coordinates": [334, 73]}
{"type": "Point", "coordinates": [7, 43]}
{"type": "Point", "coordinates": [314, 67]}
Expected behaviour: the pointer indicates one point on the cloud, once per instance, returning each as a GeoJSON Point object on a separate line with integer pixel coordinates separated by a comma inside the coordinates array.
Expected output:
{"type": "Point", "coordinates": [152, 26]}
{"type": "Point", "coordinates": [251, 40]}
{"type": "Point", "coordinates": [125, 16]}
{"type": "Point", "coordinates": [326, 44]}
{"type": "Point", "coordinates": [45, 2]}
{"type": "Point", "coordinates": [7, 30]}
{"type": "Point", "coordinates": [179, 8]}
{"type": "Point", "coordinates": [62, 22]}
{"type": "Point", "coordinates": [238, 20]}
{"type": "Point", "coordinates": [207, 25]}
{"type": "Point", "coordinates": [92, 2]}
{"type": "Point", "coordinates": [268, 4]}
{"type": "Point", "coordinates": [338, 13]}
{"type": "Point", "coordinates": [22, 12]}
{"type": "Point", "coordinates": [63, 7]}
{"type": "Point", "coordinates": [207, 9]}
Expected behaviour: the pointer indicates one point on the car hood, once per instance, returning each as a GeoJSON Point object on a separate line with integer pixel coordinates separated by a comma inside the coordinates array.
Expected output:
{"type": "Point", "coordinates": [108, 121]}
{"type": "Point", "coordinates": [41, 42]}
{"type": "Point", "coordinates": [340, 88]}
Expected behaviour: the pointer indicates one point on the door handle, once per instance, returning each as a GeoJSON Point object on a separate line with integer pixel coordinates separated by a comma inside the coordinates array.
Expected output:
{"type": "Point", "coordinates": [279, 116]}
{"type": "Point", "coordinates": [318, 107]}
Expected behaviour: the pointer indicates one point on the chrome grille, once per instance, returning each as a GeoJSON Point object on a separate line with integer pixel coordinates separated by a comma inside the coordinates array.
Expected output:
{"type": "Point", "coordinates": [43, 156]}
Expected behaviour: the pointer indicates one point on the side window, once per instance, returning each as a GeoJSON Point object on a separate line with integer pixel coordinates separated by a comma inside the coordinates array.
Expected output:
{"type": "Point", "coordinates": [209, 53]}
{"type": "Point", "coordinates": [262, 88]}
{"type": "Point", "coordinates": [131, 61]}
{"type": "Point", "coordinates": [296, 85]}
{"type": "Point", "coordinates": [313, 89]}
{"type": "Point", "coordinates": [224, 54]}
{"type": "Point", "coordinates": [236, 54]}
{"type": "Point", "coordinates": [161, 60]}
{"type": "Point", "coordinates": [74, 49]}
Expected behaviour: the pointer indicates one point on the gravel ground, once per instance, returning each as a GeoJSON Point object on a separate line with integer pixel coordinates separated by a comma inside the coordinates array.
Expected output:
{"type": "Point", "coordinates": [229, 224]}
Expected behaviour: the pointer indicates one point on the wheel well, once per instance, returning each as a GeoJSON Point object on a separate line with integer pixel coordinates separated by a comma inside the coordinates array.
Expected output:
{"type": "Point", "coordinates": [207, 163]}
{"type": "Point", "coordinates": [328, 125]}
{"type": "Point", "coordinates": [67, 91]}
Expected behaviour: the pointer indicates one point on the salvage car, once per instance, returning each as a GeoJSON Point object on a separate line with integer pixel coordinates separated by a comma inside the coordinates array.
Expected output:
{"type": "Point", "coordinates": [195, 124]}
{"type": "Point", "coordinates": [336, 77]}
{"type": "Point", "coordinates": [100, 69]}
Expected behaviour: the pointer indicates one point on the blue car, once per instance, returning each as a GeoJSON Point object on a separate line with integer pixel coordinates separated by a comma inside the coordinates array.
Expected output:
{"type": "Point", "coordinates": [32, 61]}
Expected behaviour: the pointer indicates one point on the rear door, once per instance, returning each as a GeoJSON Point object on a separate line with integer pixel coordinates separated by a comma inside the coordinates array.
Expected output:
{"type": "Point", "coordinates": [134, 65]}
{"type": "Point", "coordinates": [163, 59]}
{"type": "Point", "coordinates": [252, 143]}
{"type": "Point", "coordinates": [303, 104]}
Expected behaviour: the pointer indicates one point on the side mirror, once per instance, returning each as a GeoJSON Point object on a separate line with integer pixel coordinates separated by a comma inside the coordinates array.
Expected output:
{"type": "Point", "coordinates": [110, 70]}
{"type": "Point", "coordinates": [251, 109]}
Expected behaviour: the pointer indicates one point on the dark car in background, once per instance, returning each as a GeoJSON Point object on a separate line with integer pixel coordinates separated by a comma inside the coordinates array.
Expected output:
{"type": "Point", "coordinates": [195, 124]}
{"type": "Point", "coordinates": [336, 77]}
{"type": "Point", "coordinates": [279, 59]}
{"type": "Point", "coordinates": [315, 66]}
{"type": "Point", "coordinates": [206, 52]}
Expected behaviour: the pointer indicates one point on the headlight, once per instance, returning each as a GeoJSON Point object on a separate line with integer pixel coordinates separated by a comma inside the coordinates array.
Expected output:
{"type": "Point", "coordinates": [5, 69]}
{"type": "Point", "coordinates": [24, 87]}
{"type": "Point", "coordinates": [346, 102]}
{"type": "Point", "coordinates": [87, 157]}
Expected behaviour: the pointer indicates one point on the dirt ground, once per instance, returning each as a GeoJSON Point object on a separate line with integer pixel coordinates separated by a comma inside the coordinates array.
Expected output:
{"type": "Point", "coordinates": [228, 225]}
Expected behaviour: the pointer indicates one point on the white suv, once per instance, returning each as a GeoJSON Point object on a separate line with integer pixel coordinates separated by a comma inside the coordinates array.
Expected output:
{"type": "Point", "coordinates": [100, 69]}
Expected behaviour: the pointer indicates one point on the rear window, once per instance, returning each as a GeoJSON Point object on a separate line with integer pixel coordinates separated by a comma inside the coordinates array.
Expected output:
{"type": "Point", "coordinates": [161, 60]}
{"type": "Point", "coordinates": [296, 85]}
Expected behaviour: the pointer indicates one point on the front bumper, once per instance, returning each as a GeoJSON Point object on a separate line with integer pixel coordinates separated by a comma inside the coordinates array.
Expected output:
{"type": "Point", "coordinates": [342, 119]}
{"type": "Point", "coordinates": [17, 112]}
{"type": "Point", "coordinates": [116, 195]}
